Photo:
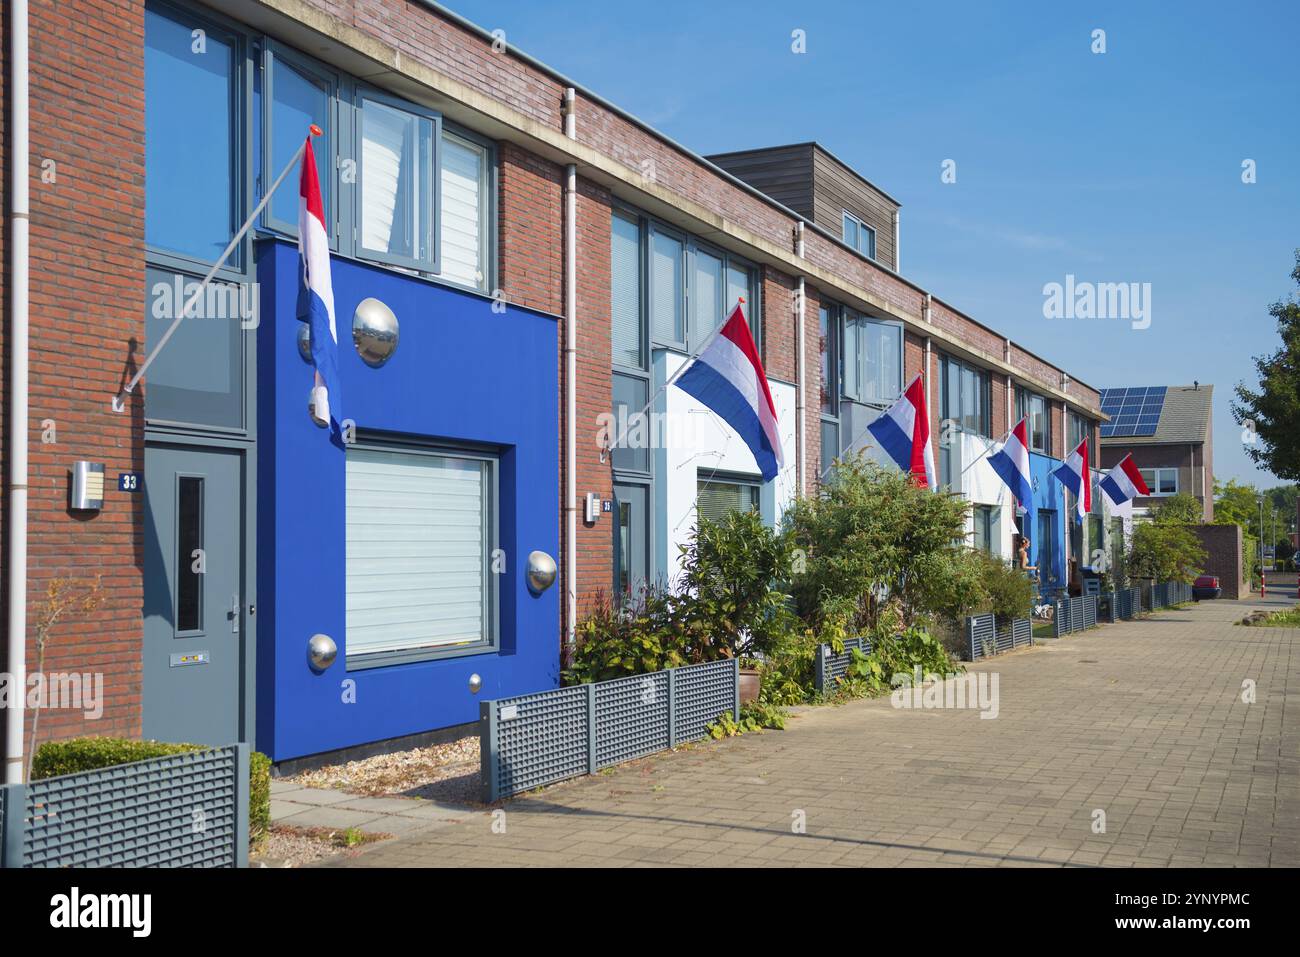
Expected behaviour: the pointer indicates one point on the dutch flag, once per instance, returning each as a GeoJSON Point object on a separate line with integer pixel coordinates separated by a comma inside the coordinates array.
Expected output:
{"type": "Point", "coordinates": [1124, 482]}
{"type": "Point", "coordinates": [727, 376]}
{"type": "Point", "coordinates": [316, 297]}
{"type": "Point", "coordinates": [903, 431]}
{"type": "Point", "coordinates": [1073, 474]}
{"type": "Point", "coordinates": [1011, 464]}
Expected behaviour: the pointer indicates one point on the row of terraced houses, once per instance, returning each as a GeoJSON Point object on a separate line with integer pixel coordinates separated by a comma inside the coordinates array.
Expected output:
{"type": "Point", "coordinates": [519, 259]}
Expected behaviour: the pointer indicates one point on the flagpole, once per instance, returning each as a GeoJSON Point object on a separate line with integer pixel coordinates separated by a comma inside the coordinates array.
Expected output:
{"type": "Point", "coordinates": [671, 379]}
{"type": "Point", "coordinates": [119, 400]}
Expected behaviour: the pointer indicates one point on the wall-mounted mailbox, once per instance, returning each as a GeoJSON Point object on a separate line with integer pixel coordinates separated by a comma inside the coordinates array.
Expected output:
{"type": "Point", "coordinates": [87, 485]}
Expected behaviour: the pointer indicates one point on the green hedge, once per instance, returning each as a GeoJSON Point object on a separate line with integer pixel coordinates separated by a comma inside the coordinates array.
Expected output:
{"type": "Point", "coordinates": [74, 755]}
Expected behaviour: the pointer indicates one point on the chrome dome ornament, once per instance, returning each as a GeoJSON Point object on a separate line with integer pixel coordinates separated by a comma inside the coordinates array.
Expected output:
{"type": "Point", "coordinates": [304, 341]}
{"type": "Point", "coordinates": [374, 332]}
{"type": "Point", "coordinates": [321, 652]}
{"type": "Point", "coordinates": [541, 572]}
{"type": "Point", "coordinates": [475, 683]}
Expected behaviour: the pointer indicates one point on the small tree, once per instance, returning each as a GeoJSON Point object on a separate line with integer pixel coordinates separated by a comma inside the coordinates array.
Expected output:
{"type": "Point", "coordinates": [870, 534]}
{"type": "Point", "coordinates": [1165, 552]}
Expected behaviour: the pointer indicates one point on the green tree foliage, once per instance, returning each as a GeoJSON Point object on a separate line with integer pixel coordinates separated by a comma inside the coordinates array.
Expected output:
{"type": "Point", "coordinates": [874, 533]}
{"type": "Point", "coordinates": [1165, 552]}
{"type": "Point", "coordinates": [1180, 509]}
{"type": "Point", "coordinates": [1236, 504]}
{"type": "Point", "coordinates": [1274, 409]}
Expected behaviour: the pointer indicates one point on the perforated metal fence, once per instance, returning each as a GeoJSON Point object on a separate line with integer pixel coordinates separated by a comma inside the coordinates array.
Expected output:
{"type": "Point", "coordinates": [1165, 594]}
{"type": "Point", "coordinates": [180, 810]}
{"type": "Point", "coordinates": [830, 667]}
{"type": "Point", "coordinates": [532, 740]}
{"type": "Point", "coordinates": [983, 637]}
{"type": "Point", "coordinates": [1074, 614]}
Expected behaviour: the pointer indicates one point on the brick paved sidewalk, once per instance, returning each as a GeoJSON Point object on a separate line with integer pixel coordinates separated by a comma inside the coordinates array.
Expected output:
{"type": "Point", "coordinates": [1143, 721]}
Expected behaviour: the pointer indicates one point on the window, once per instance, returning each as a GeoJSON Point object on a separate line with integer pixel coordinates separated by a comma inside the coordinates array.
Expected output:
{"type": "Point", "coordinates": [689, 288]}
{"type": "Point", "coordinates": [463, 216]}
{"type": "Point", "coordinates": [189, 545]}
{"type": "Point", "coordinates": [1161, 481]}
{"type": "Point", "coordinates": [666, 288]}
{"type": "Point", "coordinates": [192, 114]}
{"type": "Point", "coordinates": [1033, 406]}
{"type": "Point", "coordinates": [828, 331]}
{"type": "Point", "coordinates": [625, 292]}
{"type": "Point", "coordinates": [396, 199]}
{"type": "Point", "coordinates": [632, 453]}
{"type": "Point", "coordinates": [420, 532]}
{"type": "Point", "coordinates": [1078, 431]}
{"type": "Point", "coordinates": [987, 537]}
{"type": "Point", "coordinates": [859, 235]}
{"type": "Point", "coordinates": [964, 396]}
{"type": "Point", "coordinates": [873, 359]}
{"type": "Point", "coordinates": [296, 96]}
{"type": "Point", "coordinates": [716, 497]}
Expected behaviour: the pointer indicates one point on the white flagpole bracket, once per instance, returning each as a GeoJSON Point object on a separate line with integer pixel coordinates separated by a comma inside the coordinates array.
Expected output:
{"type": "Point", "coordinates": [119, 400]}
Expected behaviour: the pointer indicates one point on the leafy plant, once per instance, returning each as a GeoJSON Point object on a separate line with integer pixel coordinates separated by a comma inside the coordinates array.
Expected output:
{"type": "Point", "coordinates": [615, 641]}
{"type": "Point", "coordinates": [1165, 552]}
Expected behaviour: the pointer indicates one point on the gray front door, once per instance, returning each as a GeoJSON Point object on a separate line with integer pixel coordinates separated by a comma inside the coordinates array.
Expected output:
{"type": "Point", "coordinates": [194, 628]}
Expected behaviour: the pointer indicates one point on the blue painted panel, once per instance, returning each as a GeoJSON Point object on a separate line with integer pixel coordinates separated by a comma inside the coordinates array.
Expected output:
{"type": "Point", "coordinates": [461, 374]}
{"type": "Point", "coordinates": [1048, 494]}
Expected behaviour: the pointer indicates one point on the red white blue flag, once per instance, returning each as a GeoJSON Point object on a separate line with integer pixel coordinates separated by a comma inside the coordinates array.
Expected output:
{"type": "Point", "coordinates": [903, 431]}
{"type": "Point", "coordinates": [728, 378]}
{"type": "Point", "coordinates": [1011, 463]}
{"type": "Point", "coordinates": [1073, 474]}
{"type": "Point", "coordinates": [316, 297]}
{"type": "Point", "coordinates": [1124, 482]}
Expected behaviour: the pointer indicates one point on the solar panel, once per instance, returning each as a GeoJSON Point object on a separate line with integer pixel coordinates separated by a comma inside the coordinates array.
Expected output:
{"type": "Point", "coordinates": [1132, 410]}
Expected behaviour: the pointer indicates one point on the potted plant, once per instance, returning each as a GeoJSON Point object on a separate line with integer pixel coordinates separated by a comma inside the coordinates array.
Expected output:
{"type": "Point", "coordinates": [751, 680]}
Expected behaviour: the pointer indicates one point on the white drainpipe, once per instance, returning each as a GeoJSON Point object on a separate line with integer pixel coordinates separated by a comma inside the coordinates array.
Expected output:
{"type": "Point", "coordinates": [18, 389]}
{"type": "Point", "coordinates": [801, 402]}
{"type": "Point", "coordinates": [570, 378]}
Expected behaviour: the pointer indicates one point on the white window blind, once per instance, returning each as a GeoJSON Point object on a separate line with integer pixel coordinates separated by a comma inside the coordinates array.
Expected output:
{"type": "Point", "coordinates": [666, 288]}
{"type": "Point", "coordinates": [706, 296]}
{"type": "Point", "coordinates": [464, 167]}
{"type": "Point", "coordinates": [396, 204]}
{"type": "Point", "coordinates": [715, 498]}
{"type": "Point", "coordinates": [417, 551]}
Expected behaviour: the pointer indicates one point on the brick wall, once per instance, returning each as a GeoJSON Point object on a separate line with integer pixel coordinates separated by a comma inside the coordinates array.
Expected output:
{"type": "Point", "coordinates": [1222, 544]}
{"type": "Point", "coordinates": [87, 318]}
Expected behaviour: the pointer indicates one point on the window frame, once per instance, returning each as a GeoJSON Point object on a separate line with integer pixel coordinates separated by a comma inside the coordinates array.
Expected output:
{"type": "Point", "coordinates": [360, 93]}
{"type": "Point", "coordinates": [488, 223]}
{"type": "Point", "coordinates": [650, 230]}
{"type": "Point", "coordinates": [274, 50]}
{"type": "Point", "coordinates": [376, 442]}
{"type": "Point", "coordinates": [985, 383]}
{"type": "Point", "coordinates": [1154, 484]}
{"type": "Point", "coordinates": [861, 229]}
{"type": "Point", "coordinates": [989, 516]}
{"type": "Point", "coordinates": [1024, 398]}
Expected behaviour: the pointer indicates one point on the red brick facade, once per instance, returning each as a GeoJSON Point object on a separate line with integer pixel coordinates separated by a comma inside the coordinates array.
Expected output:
{"type": "Point", "coordinates": [88, 275]}
{"type": "Point", "coordinates": [87, 332]}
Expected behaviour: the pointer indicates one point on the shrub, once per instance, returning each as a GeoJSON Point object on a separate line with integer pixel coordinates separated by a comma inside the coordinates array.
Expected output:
{"type": "Point", "coordinates": [54, 758]}
{"type": "Point", "coordinates": [873, 533]}
{"type": "Point", "coordinates": [1010, 591]}
{"type": "Point", "coordinates": [1165, 553]}
{"type": "Point", "coordinates": [729, 596]}
{"type": "Point", "coordinates": [616, 641]}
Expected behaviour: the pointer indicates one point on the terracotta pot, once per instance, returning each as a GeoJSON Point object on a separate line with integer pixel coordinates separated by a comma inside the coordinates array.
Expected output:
{"type": "Point", "coordinates": [749, 683]}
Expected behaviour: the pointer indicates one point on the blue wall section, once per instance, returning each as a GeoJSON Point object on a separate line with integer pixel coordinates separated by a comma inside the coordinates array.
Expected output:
{"type": "Point", "coordinates": [1048, 494]}
{"type": "Point", "coordinates": [461, 374]}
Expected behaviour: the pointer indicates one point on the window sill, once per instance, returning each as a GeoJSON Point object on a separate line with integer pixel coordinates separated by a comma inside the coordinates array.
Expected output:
{"type": "Point", "coordinates": [388, 659]}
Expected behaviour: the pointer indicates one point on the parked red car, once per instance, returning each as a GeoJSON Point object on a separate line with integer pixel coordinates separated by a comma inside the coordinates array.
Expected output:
{"type": "Point", "coordinates": [1206, 586]}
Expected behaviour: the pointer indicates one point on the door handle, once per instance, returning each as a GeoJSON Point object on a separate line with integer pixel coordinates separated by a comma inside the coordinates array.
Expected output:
{"type": "Point", "coordinates": [233, 614]}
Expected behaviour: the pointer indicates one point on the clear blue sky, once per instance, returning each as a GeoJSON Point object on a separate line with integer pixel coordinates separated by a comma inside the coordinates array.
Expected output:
{"type": "Point", "coordinates": [1115, 167]}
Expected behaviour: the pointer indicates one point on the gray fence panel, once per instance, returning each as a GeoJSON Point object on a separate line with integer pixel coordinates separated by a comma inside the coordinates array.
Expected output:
{"type": "Point", "coordinates": [701, 693]}
{"type": "Point", "coordinates": [983, 638]}
{"type": "Point", "coordinates": [181, 810]}
{"type": "Point", "coordinates": [536, 739]}
{"type": "Point", "coordinates": [831, 667]}
{"type": "Point", "coordinates": [1089, 605]}
{"type": "Point", "coordinates": [631, 718]}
